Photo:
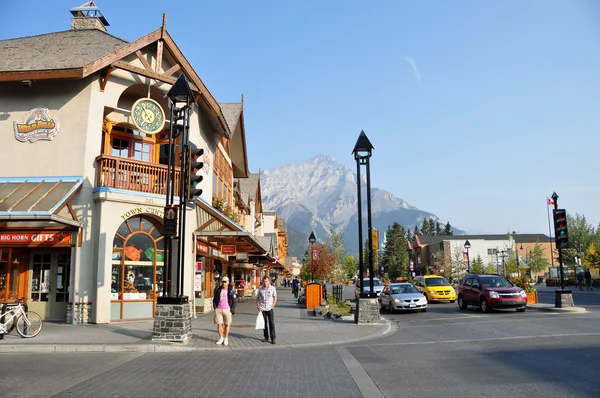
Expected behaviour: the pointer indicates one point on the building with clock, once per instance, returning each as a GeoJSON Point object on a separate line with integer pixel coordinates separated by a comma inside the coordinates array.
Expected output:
{"type": "Point", "coordinates": [85, 121]}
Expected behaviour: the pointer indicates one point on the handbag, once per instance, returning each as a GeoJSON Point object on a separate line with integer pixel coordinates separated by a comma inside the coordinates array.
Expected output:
{"type": "Point", "coordinates": [260, 321]}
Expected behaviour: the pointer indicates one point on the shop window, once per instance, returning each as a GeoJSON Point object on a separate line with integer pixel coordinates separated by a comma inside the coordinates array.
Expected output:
{"type": "Point", "coordinates": [62, 277]}
{"type": "Point", "coordinates": [40, 281]}
{"type": "Point", "coordinates": [137, 260]}
{"type": "Point", "coordinates": [3, 273]}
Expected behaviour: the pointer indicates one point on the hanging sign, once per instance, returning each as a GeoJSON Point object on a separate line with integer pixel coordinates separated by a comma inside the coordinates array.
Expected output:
{"type": "Point", "coordinates": [201, 247]}
{"type": "Point", "coordinates": [228, 249]}
{"type": "Point", "coordinates": [35, 237]}
{"type": "Point", "coordinates": [37, 126]}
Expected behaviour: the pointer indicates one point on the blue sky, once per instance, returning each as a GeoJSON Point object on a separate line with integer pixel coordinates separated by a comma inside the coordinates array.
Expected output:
{"type": "Point", "coordinates": [477, 110]}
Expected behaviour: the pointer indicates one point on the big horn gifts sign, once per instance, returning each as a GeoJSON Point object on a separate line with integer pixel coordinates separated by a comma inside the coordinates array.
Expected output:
{"type": "Point", "coordinates": [322, 263]}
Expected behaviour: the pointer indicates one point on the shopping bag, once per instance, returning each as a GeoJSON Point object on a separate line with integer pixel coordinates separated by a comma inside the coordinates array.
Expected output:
{"type": "Point", "coordinates": [260, 321]}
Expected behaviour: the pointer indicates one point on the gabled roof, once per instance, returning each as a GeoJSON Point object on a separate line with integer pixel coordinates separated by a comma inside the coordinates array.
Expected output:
{"type": "Point", "coordinates": [231, 112]}
{"type": "Point", "coordinates": [69, 49]}
{"type": "Point", "coordinates": [519, 238]}
{"type": "Point", "coordinates": [249, 186]}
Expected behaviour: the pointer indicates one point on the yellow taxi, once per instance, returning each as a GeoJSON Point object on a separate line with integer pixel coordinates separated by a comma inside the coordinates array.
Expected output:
{"type": "Point", "coordinates": [435, 288]}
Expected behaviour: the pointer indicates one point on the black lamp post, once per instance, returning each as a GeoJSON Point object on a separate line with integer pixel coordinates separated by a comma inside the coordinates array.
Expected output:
{"type": "Point", "coordinates": [467, 246]}
{"type": "Point", "coordinates": [362, 153]}
{"type": "Point", "coordinates": [311, 239]}
{"type": "Point", "coordinates": [528, 252]}
{"type": "Point", "coordinates": [503, 256]}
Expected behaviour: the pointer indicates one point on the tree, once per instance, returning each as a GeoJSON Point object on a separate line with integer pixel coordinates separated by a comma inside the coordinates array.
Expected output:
{"type": "Point", "coordinates": [538, 262]}
{"type": "Point", "coordinates": [426, 229]}
{"type": "Point", "coordinates": [395, 254]}
{"type": "Point", "coordinates": [591, 259]}
{"type": "Point", "coordinates": [409, 235]}
{"type": "Point", "coordinates": [490, 269]}
{"type": "Point", "coordinates": [366, 250]}
{"type": "Point", "coordinates": [416, 231]}
{"type": "Point", "coordinates": [337, 246]}
{"type": "Point", "coordinates": [477, 265]}
{"type": "Point", "coordinates": [447, 229]}
{"type": "Point", "coordinates": [438, 228]}
{"type": "Point", "coordinates": [349, 267]}
{"type": "Point", "coordinates": [457, 265]}
{"type": "Point", "coordinates": [323, 263]}
{"type": "Point", "coordinates": [511, 263]}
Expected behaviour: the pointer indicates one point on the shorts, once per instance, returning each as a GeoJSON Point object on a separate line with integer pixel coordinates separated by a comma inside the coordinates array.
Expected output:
{"type": "Point", "coordinates": [223, 316]}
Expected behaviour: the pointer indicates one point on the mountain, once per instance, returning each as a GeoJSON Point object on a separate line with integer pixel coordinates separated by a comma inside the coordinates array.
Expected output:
{"type": "Point", "coordinates": [311, 195]}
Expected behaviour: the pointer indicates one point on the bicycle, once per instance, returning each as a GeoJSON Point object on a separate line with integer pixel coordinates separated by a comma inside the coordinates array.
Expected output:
{"type": "Point", "coordinates": [28, 323]}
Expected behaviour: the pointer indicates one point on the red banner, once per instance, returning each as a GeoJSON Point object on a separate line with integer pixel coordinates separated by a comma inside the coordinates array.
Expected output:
{"type": "Point", "coordinates": [36, 237]}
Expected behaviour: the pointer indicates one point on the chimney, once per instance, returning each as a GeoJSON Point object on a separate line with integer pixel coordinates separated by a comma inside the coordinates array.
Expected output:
{"type": "Point", "coordinates": [88, 16]}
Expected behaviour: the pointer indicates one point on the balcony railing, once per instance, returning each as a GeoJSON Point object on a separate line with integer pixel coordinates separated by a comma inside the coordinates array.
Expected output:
{"type": "Point", "coordinates": [133, 175]}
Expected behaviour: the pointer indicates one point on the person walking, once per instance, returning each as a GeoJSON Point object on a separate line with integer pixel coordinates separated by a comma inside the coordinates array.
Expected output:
{"type": "Point", "coordinates": [224, 305]}
{"type": "Point", "coordinates": [580, 280]}
{"type": "Point", "coordinates": [588, 279]}
{"type": "Point", "coordinates": [295, 285]}
{"type": "Point", "coordinates": [265, 302]}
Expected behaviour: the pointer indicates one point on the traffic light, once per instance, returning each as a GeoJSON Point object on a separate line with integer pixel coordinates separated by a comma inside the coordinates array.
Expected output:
{"type": "Point", "coordinates": [561, 234]}
{"type": "Point", "coordinates": [176, 127]}
{"type": "Point", "coordinates": [194, 166]}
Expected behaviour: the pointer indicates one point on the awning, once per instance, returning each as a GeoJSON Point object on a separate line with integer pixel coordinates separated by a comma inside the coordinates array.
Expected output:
{"type": "Point", "coordinates": [38, 199]}
{"type": "Point", "coordinates": [244, 241]}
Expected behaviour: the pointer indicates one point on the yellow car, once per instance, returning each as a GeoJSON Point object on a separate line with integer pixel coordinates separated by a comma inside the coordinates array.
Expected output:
{"type": "Point", "coordinates": [435, 288]}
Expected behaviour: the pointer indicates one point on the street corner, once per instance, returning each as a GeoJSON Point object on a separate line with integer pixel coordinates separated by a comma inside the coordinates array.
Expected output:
{"type": "Point", "coordinates": [557, 310]}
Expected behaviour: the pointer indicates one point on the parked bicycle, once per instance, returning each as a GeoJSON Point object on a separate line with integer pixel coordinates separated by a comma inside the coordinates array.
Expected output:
{"type": "Point", "coordinates": [28, 323]}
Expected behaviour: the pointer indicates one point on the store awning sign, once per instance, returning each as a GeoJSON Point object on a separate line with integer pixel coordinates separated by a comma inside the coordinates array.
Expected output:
{"type": "Point", "coordinates": [43, 237]}
{"type": "Point", "coordinates": [201, 247]}
{"type": "Point", "coordinates": [228, 249]}
{"type": "Point", "coordinates": [38, 125]}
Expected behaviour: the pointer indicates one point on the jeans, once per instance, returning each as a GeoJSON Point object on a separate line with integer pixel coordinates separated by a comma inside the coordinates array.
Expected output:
{"type": "Point", "coordinates": [269, 324]}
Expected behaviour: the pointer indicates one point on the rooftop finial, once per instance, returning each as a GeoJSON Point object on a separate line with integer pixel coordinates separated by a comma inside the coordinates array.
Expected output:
{"type": "Point", "coordinates": [88, 16]}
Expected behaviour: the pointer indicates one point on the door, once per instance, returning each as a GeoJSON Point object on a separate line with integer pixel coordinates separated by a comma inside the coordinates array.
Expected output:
{"type": "Point", "coordinates": [49, 284]}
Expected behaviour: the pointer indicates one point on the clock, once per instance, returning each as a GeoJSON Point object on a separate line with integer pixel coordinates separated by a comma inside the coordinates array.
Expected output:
{"type": "Point", "coordinates": [148, 116]}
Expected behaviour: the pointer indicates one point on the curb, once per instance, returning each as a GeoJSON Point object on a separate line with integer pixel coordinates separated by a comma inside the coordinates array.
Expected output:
{"type": "Point", "coordinates": [161, 347]}
{"type": "Point", "coordinates": [551, 308]}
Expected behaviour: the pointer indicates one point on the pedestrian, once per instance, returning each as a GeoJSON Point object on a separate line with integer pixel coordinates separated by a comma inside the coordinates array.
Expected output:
{"type": "Point", "coordinates": [580, 280]}
{"type": "Point", "coordinates": [295, 286]}
{"type": "Point", "coordinates": [265, 302]}
{"type": "Point", "coordinates": [224, 305]}
{"type": "Point", "coordinates": [588, 279]}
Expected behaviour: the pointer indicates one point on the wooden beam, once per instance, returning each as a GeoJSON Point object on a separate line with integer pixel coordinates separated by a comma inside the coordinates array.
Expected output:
{"type": "Point", "coordinates": [206, 224]}
{"type": "Point", "coordinates": [71, 211]}
{"type": "Point", "coordinates": [143, 72]}
{"type": "Point", "coordinates": [159, 56]}
{"type": "Point", "coordinates": [172, 70]}
{"type": "Point", "coordinates": [121, 53]}
{"type": "Point", "coordinates": [105, 77]}
{"type": "Point", "coordinates": [41, 75]}
{"type": "Point", "coordinates": [143, 60]}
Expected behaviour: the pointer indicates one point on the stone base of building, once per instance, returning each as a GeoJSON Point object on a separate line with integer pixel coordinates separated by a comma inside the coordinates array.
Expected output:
{"type": "Point", "coordinates": [367, 311]}
{"type": "Point", "coordinates": [79, 313]}
{"type": "Point", "coordinates": [173, 322]}
{"type": "Point", "coordinates": [563, 299]}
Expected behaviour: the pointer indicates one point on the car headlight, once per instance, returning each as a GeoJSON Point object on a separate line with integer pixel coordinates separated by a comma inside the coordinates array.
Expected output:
{"type": "Point", "coordinates": [494, 295]}
{"type": "Point", "coordinates": [423, 299]}
{"type": "Point", "coordinates": [396, 300]}
{"type": "Point", "coordinates": [431, 292]}
{"type": "Point", "coordinates": [523, 294]}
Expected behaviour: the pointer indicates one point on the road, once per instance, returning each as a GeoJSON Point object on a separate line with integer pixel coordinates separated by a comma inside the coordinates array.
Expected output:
{"type": "Point", "coordinates": [443, 352]}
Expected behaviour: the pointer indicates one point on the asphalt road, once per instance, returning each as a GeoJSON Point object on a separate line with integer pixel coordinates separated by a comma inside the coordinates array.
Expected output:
{"type": "Point", "coordinates": [443, 352]}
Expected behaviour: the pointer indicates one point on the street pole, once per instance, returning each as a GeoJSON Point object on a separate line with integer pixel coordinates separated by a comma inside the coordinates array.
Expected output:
{"type": "Point", "coordinates": [560, 261]}
{"type": "Point", "coordinates": [360, 235]}
{"type": "Point", "coordinates": [370, 228]}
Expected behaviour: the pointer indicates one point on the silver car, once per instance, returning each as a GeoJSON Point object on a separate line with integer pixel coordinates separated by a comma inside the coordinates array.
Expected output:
{"type": "Point", "coordinates": [402, 296]}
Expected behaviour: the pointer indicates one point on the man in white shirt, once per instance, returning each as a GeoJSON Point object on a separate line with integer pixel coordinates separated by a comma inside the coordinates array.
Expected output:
{"type": "Point", "coordinates": [265, 302]}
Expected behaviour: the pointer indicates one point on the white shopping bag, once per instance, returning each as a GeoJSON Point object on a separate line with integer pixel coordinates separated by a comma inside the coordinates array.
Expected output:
{"type": "Point", "coordinates": [260, 321]}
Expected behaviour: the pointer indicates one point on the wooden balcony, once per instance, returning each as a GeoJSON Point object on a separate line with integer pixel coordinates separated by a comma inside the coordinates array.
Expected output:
{"type": "Point", "coordinates": [133, 175]}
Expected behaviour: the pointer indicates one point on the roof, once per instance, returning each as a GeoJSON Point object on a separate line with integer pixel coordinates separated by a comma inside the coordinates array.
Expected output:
{"type": "Point", "coordinates": [69, 49]}
{"type": "Point", "coordinates": [231, 113]}
{"type": "Point", "coordinates": [267, 243]}
{"type": "Point", "coordinates": [519, 238]}
{"type": "Point", "coordinates": [249, 186]}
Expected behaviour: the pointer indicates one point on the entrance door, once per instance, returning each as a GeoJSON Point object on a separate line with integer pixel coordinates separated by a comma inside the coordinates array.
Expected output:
{"type": "Point", "coordinates": [49, 284]}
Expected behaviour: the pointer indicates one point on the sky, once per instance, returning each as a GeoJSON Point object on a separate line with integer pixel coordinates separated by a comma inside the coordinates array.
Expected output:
{"type": "Point", "coordinates": [478, 111]}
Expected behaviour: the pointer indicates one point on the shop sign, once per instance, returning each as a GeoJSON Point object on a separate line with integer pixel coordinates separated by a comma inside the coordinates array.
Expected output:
{"type": "Point", "coordinates": [242, 256]}
{"type": "Point", "coordinates": [140, 210]}
{"type": "Point", "coordinates": [36, 237]}
{"type": "Point", "coordinates": [198, 282]}
{"type": "Point", "coordinates": [201, 247]}
{"type": "Point", "coordinates": [37, 126]}
{"type": "Point", "coordinates": [228, 249]}
{"type": "Point", "coordinates": [198, 266]}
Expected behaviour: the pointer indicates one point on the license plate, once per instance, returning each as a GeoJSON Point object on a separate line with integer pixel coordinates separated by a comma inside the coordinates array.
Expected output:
{"type": "Point", "coordinates": [412, 305]}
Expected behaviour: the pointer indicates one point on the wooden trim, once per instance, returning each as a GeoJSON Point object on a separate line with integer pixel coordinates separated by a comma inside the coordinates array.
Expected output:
{"type": "Point", "coordinates": [39, 184]}
{"type": "Point", "coordinates": [172, 70]}
{"type": "Point", "coordinates": [206, 224]}
{"type": "Point", "coordinates": [42, 75]}
{"type": "Point", "coordinates": [71, 211]}
{"type": "Point", "coordinates": [80, 237]}
{"type": "Point", "coordinates": [152, 75]}
{"type": "Point", "coordinates": [105, 77]}
{"type": "Point", "coordinates": [121, 53]}
{"type": "Point", "coordinates": [159, 55]}
{"type": "Point", "coordinates": [140, 56]}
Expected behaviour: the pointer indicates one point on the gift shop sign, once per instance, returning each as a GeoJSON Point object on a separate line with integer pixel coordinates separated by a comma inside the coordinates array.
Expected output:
{"type": "Point", "coordinates": [42, 237]}
{"type": "Point", "coordinates": [228, 249]}
{"type": "Point", "coordinates": [38, 125]}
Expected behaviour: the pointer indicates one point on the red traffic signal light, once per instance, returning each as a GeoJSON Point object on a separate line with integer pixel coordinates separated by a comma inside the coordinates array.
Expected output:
{"type": "Point", "coordinates": [561, 233]}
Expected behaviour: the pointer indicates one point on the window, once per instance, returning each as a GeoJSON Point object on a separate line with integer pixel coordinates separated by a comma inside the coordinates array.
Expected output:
{"type": "Point", "coordinates": [40, 282]}
{"type": "Point", "coordinates": [222, 178]}
{"type": "Point", "coordinates": [492, 252]}
{"type": "Point", "coordinates": [129, 143]}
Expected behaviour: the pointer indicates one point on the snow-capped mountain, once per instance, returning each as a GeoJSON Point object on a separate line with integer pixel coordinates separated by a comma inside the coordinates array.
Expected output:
{"type": "Point", "coordinates": [313, 194]}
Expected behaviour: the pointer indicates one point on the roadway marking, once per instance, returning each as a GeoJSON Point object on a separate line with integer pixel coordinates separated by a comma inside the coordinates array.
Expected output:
{"type": "Point", "coordinates": [364, 383]}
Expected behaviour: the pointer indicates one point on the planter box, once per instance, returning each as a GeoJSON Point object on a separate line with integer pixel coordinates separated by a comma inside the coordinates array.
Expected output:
{"type": "Point", "coordinates": [532, 297]}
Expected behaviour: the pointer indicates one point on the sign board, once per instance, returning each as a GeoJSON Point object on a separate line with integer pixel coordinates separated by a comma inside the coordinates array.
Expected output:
{"type": "Point", "coordinates": [375, 239]}
{"type": "Point", "coordinates": [242, 256]}
{"type": "Point", "coordinates": [38, 125]}
{"type": "Point", "coordinates": [198, 282]}
{"type": "Point", "coordinates": [228, 249]}
{"type": "Point", "coordinates": [36, 237]}
{"type": "Point", "coordinates": [198, 266]}
{"type": "Point", "coordinates": [201, 247]}
{"type": "Point", "coordinates": [170, 219]}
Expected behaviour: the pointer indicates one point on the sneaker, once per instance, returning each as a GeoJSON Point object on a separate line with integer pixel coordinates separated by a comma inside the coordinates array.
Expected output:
{"type": "Point", "coordinates": [226, 341]}
{"type": "Point", "coordinates": [220, 341]}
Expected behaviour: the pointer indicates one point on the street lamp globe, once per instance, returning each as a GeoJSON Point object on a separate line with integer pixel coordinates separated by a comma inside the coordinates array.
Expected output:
{"type": "Point", "coordinates": [467, 244]}
{"type": "Point", "coordinates": [312, 239]}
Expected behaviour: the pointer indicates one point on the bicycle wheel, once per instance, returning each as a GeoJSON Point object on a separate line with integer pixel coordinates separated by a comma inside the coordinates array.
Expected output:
{"type": "Point", "coordinates": [10, 325]}
{"type": "Point", "coordinates": [29, 325]}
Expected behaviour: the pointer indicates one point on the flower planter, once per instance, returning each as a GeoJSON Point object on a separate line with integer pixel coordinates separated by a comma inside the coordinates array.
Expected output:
{"type": "Point", "coordinates": [532, 297]}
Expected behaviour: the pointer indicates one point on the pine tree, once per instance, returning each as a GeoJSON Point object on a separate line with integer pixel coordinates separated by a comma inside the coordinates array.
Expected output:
{"type": "Point", "coordinates": [477, 265]}
{"type": "Point", "coordinates": [395, 254]}
{"type": "Point", "coordinates": [438, 228]}
{"type": "Point", "coordinates": [426, 229]}
{"type": "Point", "coordinates": [416, 231]}
{"type": "Point", "coordinates": [409, 236]}
{"type": "Point", "coordinates": [448, 229]}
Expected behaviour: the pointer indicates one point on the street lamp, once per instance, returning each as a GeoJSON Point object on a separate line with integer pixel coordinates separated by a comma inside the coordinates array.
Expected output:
{"type": "Point", "coordinates": [503, 256]}
{"type": "Point", "coordinates": [467, 246]}
{"type": "Point", "coordinates": [311, 239]}
{"type": "Point", "coordinates": [435, 263]}
{"type": "Point", "coordinates": [362, 154]}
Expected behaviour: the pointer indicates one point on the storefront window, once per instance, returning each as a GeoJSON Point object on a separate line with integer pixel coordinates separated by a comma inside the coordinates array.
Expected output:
{"type": "Point", "coordinates": [137, 265]}
{"type": "Point", "coordinates": [40, 282]}
{"type": "Point", "coordinates": [3, 273]}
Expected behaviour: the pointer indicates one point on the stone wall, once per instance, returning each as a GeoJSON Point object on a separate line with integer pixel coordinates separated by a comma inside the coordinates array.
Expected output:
{"type": "Point", "coordinates": [87, 23]}
{"type": "Point", "coordinates": [367, 311]}
{"type": "Point", "coordinates": [173, 322]}
{"type": "Point", "coordinates": [78, 313]}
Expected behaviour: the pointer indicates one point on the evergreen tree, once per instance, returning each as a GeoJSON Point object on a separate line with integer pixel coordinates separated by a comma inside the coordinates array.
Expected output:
{"type": "Point", "coordinates": [350, 266]}
{"type": "Point", "coordinates": [438, 228]}
{"type": "Point", "coordinates": [538, 262]}
{"type": "Point", "coordinates": [409, 235]}
{"type": "Point", "coordinates": [477, 265]}
{"type": "Point", "coordinates": [416, 231]}
{"type": "Point", "coordinates": [426, 229]}
{"type": "Point", "coordinates": [395, 254]}
{"type": "Point", "coordinates": [366, 250]}
{"type": "Point", "coordinates": [447, 229]}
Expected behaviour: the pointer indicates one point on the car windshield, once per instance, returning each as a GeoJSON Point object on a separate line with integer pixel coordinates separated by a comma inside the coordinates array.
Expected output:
{"type": "Point", "coordinates": [436, 282]}
{"type": "Point", "coordinates": [376, 282]}
{"type": "Point", "coordinates": [403, 289]}
{"type": "Point", "coordinates": [495, 281]}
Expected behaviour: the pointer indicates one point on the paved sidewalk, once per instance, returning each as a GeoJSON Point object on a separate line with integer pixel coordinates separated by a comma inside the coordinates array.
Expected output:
{"type": "Point", "coordinates": [574, 289]}
{"type": "Point", "coordinates": [293, 325]}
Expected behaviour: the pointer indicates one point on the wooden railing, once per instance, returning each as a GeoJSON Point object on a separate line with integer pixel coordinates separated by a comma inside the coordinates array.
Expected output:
{"type": "Point", "coordinates": [133, 175]}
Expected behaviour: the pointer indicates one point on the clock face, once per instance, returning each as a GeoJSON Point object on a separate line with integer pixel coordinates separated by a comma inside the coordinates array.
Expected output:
{"type": "Point", "coordinates": [148, 116]}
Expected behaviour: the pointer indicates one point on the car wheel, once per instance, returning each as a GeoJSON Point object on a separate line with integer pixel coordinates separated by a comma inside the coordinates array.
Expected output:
{"type": "Point", "coordinates": [485, 307]}
{"type": "Point", "coordinates": [461, 303]}
{"type": "Point", "coordinates": [521, 309]}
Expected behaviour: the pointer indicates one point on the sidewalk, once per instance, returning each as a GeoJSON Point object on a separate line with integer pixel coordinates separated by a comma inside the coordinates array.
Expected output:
{"type": "Point", "coordinates": [293, 325]}
{"type": "Point", "coordinates": [550, 289]}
